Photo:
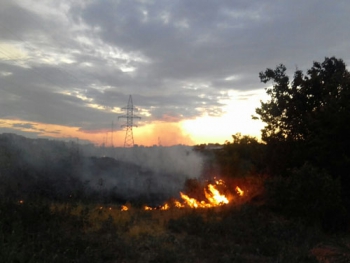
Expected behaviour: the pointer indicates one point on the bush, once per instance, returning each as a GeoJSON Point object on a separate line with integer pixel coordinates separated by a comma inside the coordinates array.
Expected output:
{"type": "Point", "coordinates": [309, 193]}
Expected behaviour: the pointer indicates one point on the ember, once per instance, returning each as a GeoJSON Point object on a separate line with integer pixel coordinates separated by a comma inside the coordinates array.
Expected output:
{"type": "Point", "coordinates": [240, 192]}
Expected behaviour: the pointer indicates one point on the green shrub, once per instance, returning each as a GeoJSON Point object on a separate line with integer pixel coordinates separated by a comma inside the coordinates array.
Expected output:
{"type": "Point", "coordinates": [309, 193]}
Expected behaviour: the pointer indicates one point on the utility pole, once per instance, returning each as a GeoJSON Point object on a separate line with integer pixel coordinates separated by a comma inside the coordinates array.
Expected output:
{"type": "Point", "coordinates": [129, 138]}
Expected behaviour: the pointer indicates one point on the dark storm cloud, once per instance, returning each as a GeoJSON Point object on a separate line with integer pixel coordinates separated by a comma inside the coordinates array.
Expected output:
{"type": "Point", "coordinates": [76, 62]}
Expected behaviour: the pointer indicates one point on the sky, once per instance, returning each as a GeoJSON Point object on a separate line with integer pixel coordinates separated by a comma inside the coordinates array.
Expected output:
{"type": "Point", "coordinates": [67, 68]}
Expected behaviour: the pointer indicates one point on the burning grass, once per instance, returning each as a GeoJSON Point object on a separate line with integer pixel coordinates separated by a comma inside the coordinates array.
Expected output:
{"type": "Point", "coordinates": [237, 231]}
{"type": "Point", "coordinates": [214, 194]}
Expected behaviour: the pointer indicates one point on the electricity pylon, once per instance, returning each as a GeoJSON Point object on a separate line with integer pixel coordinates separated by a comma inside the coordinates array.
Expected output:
{"type": "Point", "coordinates": [129, 138]}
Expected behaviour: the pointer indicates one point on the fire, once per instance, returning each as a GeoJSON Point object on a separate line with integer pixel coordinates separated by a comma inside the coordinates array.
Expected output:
{"type": "Point", "coordinates": [164, 207]}
{"type": "Point", "coordinates": [240, 192]}
{"type": "Point", "coordinates": [219, 181]}
{"type": "Point", "coordinates": [211, 192]}
{"type": "Point", "coordinates": [193, 203]}
{"type": "Point", "coordinates": [178, 204]}
{"type": "Point", "coordinates": [124, 208]}
{"type": "Point", "coordinates": [214, 196]}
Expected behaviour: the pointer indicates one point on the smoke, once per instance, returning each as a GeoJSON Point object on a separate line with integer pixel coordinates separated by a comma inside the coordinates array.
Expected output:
{"type": "Point", "coordinates": [153, 173]}
{"type": "Point", "coordinates": [176, 159]}
{"type": "Point", "coordinates": [57, 169]}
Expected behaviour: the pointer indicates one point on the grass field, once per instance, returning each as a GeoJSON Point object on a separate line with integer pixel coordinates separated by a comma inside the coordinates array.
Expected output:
{"type": "Point", "coordinates": [245, 230]}
{"type": "Point", "coordinates": [75, 232]}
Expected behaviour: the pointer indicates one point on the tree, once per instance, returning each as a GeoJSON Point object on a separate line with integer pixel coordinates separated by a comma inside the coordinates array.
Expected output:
{"type": "Point", "coordinates": [298, 109]}
{"type": "Point", "coordinates": [242, 157]}
{"type": "Point", "coordinates": [308, 119]}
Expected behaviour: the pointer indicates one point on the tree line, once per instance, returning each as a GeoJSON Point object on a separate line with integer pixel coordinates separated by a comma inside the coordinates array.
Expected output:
{"type": "Point", "coordinates": [305, 147]}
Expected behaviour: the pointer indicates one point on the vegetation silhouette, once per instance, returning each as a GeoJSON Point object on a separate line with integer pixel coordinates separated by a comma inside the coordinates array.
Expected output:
{"type": "Point", "coordinates": [307, 130]}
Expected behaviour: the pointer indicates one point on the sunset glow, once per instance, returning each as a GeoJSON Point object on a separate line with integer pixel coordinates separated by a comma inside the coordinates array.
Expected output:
{"type": "Point", "coordinates": [237, 119]}
{"type": "Point", "coordinates": [205, 129]}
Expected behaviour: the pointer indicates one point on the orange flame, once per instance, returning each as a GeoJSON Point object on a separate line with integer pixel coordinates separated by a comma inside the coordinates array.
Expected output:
{"type": "Point", "coordinates": [240, 192]}
{"type": "Point", "coordinates": [212, 194]}
{"type": "Point", "coordinates": [191, 202]}
{"type": "Point", "coordinates": [178, 204]}
{"type": "Point", "coordinates": [164, 207]}
{"type": "Point", "coordinates": [124, 208]}
{"type": "Point", "coordinates": [221, 182]}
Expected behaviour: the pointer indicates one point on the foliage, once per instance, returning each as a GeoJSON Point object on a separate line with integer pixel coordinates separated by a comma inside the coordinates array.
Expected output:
{"type": "Point", "coordinates": [312, 109]}
{"type": "Point", "coordinates": [296, 110]}
{"type": "Point", "coordinates": [308, 119]}
{"type": "Point", "coordinates": [242, 157]}
{"type": "Point", "coordinates": [308, 193]}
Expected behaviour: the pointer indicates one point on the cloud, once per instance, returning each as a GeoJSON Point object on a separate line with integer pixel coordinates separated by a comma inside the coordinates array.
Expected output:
{"type": "Point", "coordinates": [24, 125]}
{"type": "Point", "coordinates": [75, 63]}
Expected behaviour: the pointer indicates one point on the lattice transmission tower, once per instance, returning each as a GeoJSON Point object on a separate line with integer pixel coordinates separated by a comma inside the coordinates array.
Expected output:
{"type": "Point", "coordinates": [129, 138]}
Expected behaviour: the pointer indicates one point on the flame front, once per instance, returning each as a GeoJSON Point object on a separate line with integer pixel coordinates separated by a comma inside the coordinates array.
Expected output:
{"type": "Point", "coordinates": [211, 192]}
{"type": "Point", "coordinates": [163, 207]}
{"type": "Point", "coordinates": [124, 208]}
{"type": "Point", "coordinates": [193, 203]}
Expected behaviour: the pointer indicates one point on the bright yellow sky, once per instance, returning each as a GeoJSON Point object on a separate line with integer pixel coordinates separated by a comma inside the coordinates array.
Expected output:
{"type": "Point", "coordinates": [236, 119]}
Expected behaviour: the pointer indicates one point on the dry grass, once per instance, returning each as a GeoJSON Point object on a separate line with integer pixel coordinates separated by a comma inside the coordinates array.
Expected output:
{"type": "Point", "coordinates": [243, 231]}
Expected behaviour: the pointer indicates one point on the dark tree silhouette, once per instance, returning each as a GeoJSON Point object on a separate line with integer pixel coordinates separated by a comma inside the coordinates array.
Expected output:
{"type": "Point", "coordinates": [308, 118]}
{"type": "Point", "coordinates": [299, 108]}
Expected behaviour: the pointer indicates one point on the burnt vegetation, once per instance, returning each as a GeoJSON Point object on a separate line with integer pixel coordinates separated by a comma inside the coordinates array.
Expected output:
{"type": "Point", "coordinates": [60, 204]}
